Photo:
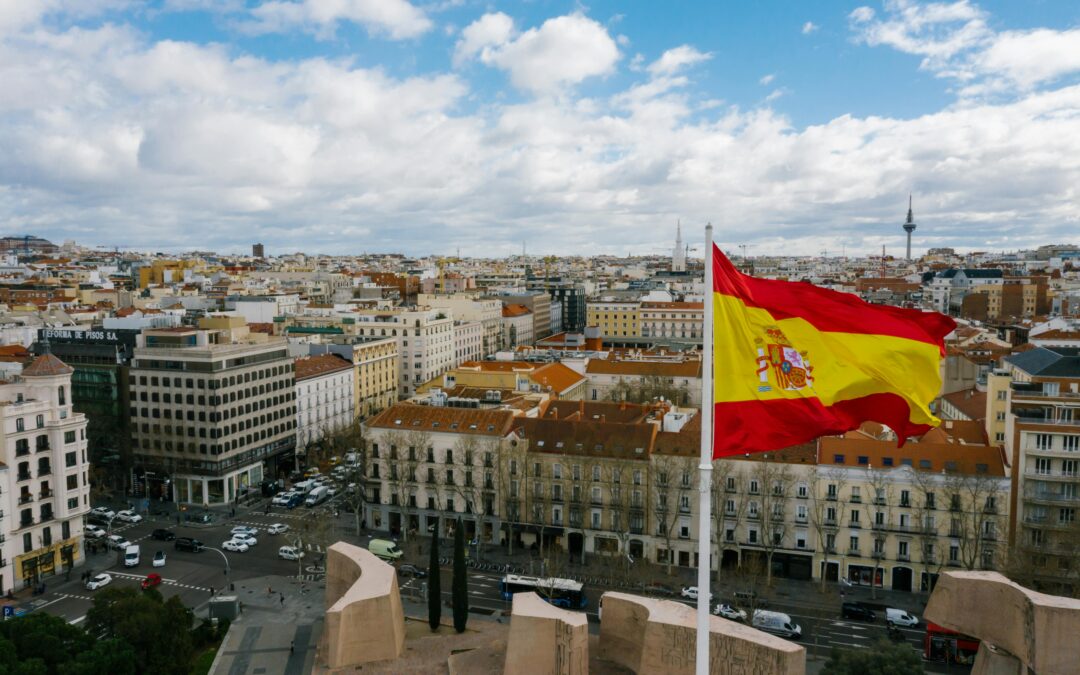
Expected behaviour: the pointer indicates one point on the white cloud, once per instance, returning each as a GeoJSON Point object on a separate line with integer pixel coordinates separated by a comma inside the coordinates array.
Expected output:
{"type": "Point", "coordinates": [490, 30]}
{"type": "Point", "coordinates": [767, 79]}
{"type": "Point", "coordinates": [182, 145]}
{"type": "Point", "coordinates": [396, 19]}
{"type": "Point", "coordinates": [563, 51]}
{"type": "Point", "coordinates": [810, 27]}
{"type": "Point", "coordinates": [674, 60]}
{"type": "Point", "coordinates": [775, 94]}
{"type": "Point", "coordinates": [956, 42]}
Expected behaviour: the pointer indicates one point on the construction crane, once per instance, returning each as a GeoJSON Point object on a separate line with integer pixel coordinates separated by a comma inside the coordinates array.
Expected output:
{"type": "Point", "coordinates": [548, 260]}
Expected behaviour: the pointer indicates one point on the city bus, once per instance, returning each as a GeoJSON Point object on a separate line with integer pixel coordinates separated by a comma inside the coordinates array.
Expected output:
{"type": "Point", "coordinates": [942, 644]}
{"type": "Point", "coordinates": [565, 593]}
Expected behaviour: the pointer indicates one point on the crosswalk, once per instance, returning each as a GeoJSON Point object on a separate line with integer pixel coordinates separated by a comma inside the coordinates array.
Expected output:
{"type": "Point", "coordinates": [170, 582]}
{"type": "Point", "coordinates": [74, 596]}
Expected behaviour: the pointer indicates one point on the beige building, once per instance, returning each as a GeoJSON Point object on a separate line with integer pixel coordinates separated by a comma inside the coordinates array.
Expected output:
{"type": "Point", "coordinates": [376, 364]}
{"type": "Point", "coordinates": [44, 485]}
{"type": "Point", "coordinates": [554, 379]}
{"type": "Point", "coordinates": [212, 408]}
{"type": "Point", "coordinates": [325, 386]}
{"type": "Point", "coordinates": [615, 319]}
{"type": "Point", "coordinates": [673, 320]}
{"type": "Point", "coordinates": [1042, 435]}
{"type": "Point", "coordinates": [472, 307]}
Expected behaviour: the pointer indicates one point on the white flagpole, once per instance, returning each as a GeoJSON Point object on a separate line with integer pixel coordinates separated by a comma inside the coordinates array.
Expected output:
{"type": "Point", "coordinates": [705, 468]}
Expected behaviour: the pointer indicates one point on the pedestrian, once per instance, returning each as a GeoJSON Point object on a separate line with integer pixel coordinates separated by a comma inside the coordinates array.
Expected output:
{"type": "Point", "coordinates": [282, 599]}
{"type": "Point", "coordinates": [211, 591]}
{"type": "Point", "coordinates": [292, 646]}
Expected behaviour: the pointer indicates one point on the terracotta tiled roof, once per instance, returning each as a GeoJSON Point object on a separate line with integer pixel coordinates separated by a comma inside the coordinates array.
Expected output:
{"type": "Point", "coordinates": [557, 376]}
{"type": "Point", "coordinates": [597, 411]}
{"type": "Point", "coordinates": [971, 402]}
{"type": "Point", "coordinates": [512, 310]}
{"type": "Point", "coordinates": [407, 417]}
{"type": "Point", "coordinates": [323, 364]}
{"type": "Point", "coordinates": [673, 305]}
{"type": "Point", "coordinates": [929, 456]}
{"type": "Point", "coordinates": [588, 438]}
{"type": "Point", "coordinates": [47, 365]}
{"type": "Point", "coordinates": [644, 368]}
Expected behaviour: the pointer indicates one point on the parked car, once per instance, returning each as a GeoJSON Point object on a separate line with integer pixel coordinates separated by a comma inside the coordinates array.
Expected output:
{"type": "Point", "coordinates": [657, 588]}
{"type": "Point", "coordinates": [235, 546]}
{"type": "Point", "coordinates": [98, 581]}
{"type": "Point", "coordinates": [296, 500]}
{"type": "Point", "coordinates": [729, 612]}
{"type": "Point", "coordinates": [898, 617]}
{"type": "Point", "coordinates": [163, 535]}
{"type": "Point", "coordinates": [244, 529]}
{"type": "Point", "coordinates": [290, 553]}
{"type": "Point", "coordinates": [118, 543]}
{"type": "Point", "coordinates": [410, 570]}
{"type": "Point", "coordinates": [93, 531]}
{"type": "Point", "coordinates": [245, 538]}
{"type": "Point", "coordinates": [282, 498]}
{"type": "Point", "coordinates": [277, 528]}
{"type": "Point", "coordinates": [129, 517]}
{"type": "Point", "coordinates": [691, 592]}
{"type": "Point", "coordinates": [188, 544]}
{"type": "Point", "coordinates": [853, 610]}
{"type": "Point", "coordinates": [153, 579]}
{"type": "Point", "coordinates": [102, 512]}
{"type": "Point", "coordinates": [159, 559]}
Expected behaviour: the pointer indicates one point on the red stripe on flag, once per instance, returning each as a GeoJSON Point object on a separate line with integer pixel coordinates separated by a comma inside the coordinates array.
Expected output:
{"type": "Point", "coordinates": [825, 309]}
{"type": "Point", "coordinates": [742, 427]}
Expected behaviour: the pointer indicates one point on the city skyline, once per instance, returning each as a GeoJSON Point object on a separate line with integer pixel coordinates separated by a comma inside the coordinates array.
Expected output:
{"type": "Point", "coordinates": [425, 128]}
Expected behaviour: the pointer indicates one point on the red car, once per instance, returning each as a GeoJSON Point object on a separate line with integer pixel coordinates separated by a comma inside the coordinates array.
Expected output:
{"type": "Point", "coordinates": [151, 581]}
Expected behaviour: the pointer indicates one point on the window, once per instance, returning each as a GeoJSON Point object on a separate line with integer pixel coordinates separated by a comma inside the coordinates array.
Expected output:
{"type": "Point", "coordinates": [40, 422]}
{"type": "Point", "coordinates": [801, 491]}
{"type": "Point", "coordinates": [1070, 443]}
{"type": "Point", "coordinates": [853, 543]}
{"type": "Point", "coordinates": [753, 486]}
{"type": "Point", "coordinates": [69, 436]}
{"type": "Point", "coordinates": [1043, 441]}
{"type": "Point", "coordinates": [556, 471]}
{"type": "Point", "coordinates": [20, 424]}
{"type": "Point", "coordinates": [1002, 395]}
{"type": "Point", "coordinates": [854, 518]}
{"type": "Point", "coordinates": [1042, 466]}
{"type": "Point", "coordinates": [27, 542]}
{"type": "Point", "coordinates": [838, 459]}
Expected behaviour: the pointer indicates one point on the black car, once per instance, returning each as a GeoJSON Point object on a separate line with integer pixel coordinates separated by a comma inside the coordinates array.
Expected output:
{"type": "Point", "coordinates": [851, 610]}
{"type": "Point", "coordinates": [188, 544]}
{"type": "Point", "coordinates": [410, 570]}
{"type": "Point", "coordinates": [163, 535]}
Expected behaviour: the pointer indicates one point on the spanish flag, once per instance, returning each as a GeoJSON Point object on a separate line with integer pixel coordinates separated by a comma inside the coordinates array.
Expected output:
{"type": "Point", "coordinates": [792, 362]}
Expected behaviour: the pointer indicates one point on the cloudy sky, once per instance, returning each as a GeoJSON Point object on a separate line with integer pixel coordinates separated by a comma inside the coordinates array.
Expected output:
{"type": "Point", "coordinates": [384, 125]}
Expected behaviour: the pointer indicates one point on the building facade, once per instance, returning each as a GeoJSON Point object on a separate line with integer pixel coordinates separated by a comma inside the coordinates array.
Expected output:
{"type": "Point", "coordinates": [45, 475]}
{"type": "Point", "coordinates": [325, 386]}
{"type": "Point", "coordinates": [213, 412]}
{"type": "Point", "coordinates": [615, 319]}
{"type": "Point", "coordinates": [376, 364]}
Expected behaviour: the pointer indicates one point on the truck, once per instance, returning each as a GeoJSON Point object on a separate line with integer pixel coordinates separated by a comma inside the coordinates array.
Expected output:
{"type": "Point", "coordinates": [385, 549]}
{"type": "Point", "coordinates": [776, 623]}
{"type": "Point", "coordinates": [317, 496]}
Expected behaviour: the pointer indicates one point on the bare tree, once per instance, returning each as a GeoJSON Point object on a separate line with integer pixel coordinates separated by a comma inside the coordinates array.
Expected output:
{"type": "Point", "coordinates": [878, 502]}
{"type": "Point", "coordinates": [974, 516]}
{"type": "Point", "coordinates": [775, 481]}
{"type": "Point", "coordinates": [825, 490]}
{"type": "Point", "coordinates": [928, 489]}
{"type": "Point", "coordinates": [512, 486]}
{"type": "Point", "coordinates": [669, 489]}
{"type": "Point", "coordinates": [728, 506]}
{"type": "Point", "coordinates": [649, 388]}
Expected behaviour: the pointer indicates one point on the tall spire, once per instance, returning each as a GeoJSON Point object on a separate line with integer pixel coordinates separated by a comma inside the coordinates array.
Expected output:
{"type": "Point", "coordinates": [678, 255]}
{"type": "Point", "coordinates": [909, 226]}
{"type": "Point", "coordinates": [910, 214]}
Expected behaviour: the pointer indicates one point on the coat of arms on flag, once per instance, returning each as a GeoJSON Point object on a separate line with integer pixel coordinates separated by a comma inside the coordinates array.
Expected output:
{"type": "Point", "coordinates": [791, 368]}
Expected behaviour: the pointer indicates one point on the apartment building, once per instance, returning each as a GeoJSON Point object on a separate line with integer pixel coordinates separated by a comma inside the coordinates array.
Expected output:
{"type": "Point", "coordinates": [683, 321]}
{"type": "Point", "coordinates": [539, 303]}
{"type": "Point", "coordinates": [325, 387]}
{"type": "Point", "coordinates": [1042, 437]}
{"type": "Point", "coordinates": [517, 325]}
{"type": "Point", "coordinates": [472, 307]}
{"type": "Point", "coordinates": [503, 377]}
{"type": "Point", "coordinates": [213, 410]}
{"type": "Point", "coordinates": [376, 365]}
{"type": "Point", "coordinates": [425, 338]}
{"type": "Point", "coordinates": [643, 376]}
{"type": "Point", "coordinates": [468, 342]}
{"type": "Point", "coordinates": [428, 466]}
{"type": "Point", "coordinates": [615, 319]}
{"type": "Point", "coordinates": [44, 475]}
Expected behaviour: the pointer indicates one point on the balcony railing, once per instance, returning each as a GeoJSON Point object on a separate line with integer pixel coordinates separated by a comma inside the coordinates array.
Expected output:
{"type": "Point", "coordinates": [43, 447]}
{"type": "Point", "coordinates": [26, 522]}
{"type": "Point", "coordinates": [854, 552]}
{"type": "Point", "coordinates": [46, 517]}
{"type": "Point", "coordinates": [903, 557]}
{"type": "Point", "coordinates": [26, 499]}
{"type": "Point", "coordinates": [21, 452]}
{"type": "Point", "coordinates": [44, 471]}
{"type": "Point", "coordinates": [24, 475]}
{"type": "Point", "coordinates": [45, 494]}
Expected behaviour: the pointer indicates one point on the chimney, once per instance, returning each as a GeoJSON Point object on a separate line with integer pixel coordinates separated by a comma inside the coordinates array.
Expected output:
{"type": "Point", "coordinates": [581, 408]}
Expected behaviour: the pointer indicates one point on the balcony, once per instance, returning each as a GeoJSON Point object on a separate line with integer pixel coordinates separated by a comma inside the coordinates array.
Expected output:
{"type": "Point", "coordinates": [776, 517]}
{"type": "Point", "coordinates": [855, 525]}
{"type": "Point", "coordinates": [1055, 497]}
{"type": "Point", "coordinates": [904, 504]}
{"type": "Point", "coordinates": [43, 447]}
{"type": "Point", "coordinates": [903, 557]}
{"type": "Point", "coordinates": [856, 499]}
{"type": "Point", "coordinates": [1055, 476]}
{"type": "Point", "coordinates": [830, 498]}
{"type": "Point", "coordinates": [830, 549]}
{"type": "Point", "coordinates": [955, 563]}
{"type": "Point", "coordinates": [830, 522]}
{"type": "Point", "coordinates": [22, 452]}
{"type": "Point", "coordinates": [26, 522]}
{"type": "Point", "coordinates": [854, 553]}
{"type": "Point", "coordinates": [879, 501]}
{"type": "Point", "coordinates": [26, 498]}
{"type": "Point", "coordinates": [637, 529]}
{"type": "Point", "coordinates": [878, 555]}
{"type": "Point", "coordinates": [44, 471]}
{"type": "Point", "coordinates": [45, 517]}
{"type": "Point", "coordinates": [800, 519]}
{"type": "Point", "coordinates": [45, 494]}
{"type": "Point", "coordinates": [24, 475]}
{"type": "Point", "coordinates": [599, 501]}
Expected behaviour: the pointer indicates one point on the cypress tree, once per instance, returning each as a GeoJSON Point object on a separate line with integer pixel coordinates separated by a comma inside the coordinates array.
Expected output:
{"type": "Point", "coordinates": [434, 606]}
{"type": "Point", "coordinates": [460, 588]}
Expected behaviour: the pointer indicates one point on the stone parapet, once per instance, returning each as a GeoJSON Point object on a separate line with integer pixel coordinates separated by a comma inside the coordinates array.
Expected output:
{"type": "Point", "coordinates": [546, 640]}
{"type": "Point", "coordinates": [658, 637]}
{"type": "Point", "coordinates": [364, 618]}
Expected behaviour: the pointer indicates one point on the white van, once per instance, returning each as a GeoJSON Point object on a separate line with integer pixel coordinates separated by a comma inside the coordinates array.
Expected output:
{"type": "Point", "coordinates": [385, 549]}
{"type": "Point", "coordinates": [317, 496]}
{"type": "Point", "coordinates": [290, 553]}
{"type": "Point", "coordinates": [898, 617]}
{"type": "Point", "coordinates": [303, 487]}
{"type": "Point", "coordinates": [131, 556]}
{"type": "Point", "coordinates": [776, 623]}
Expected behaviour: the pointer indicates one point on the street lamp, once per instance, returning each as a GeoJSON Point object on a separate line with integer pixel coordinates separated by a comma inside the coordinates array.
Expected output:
{"type": "Point", "coordinates": [223, 557]}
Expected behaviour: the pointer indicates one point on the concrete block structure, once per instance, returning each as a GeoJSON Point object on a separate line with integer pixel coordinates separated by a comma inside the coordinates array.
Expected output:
{"type": "Point", "coordinates": [1037, 630]}
{"type": "Point", "coordinates": [546, 640]}
{"type": "Point", "coordinates": [657, 637]}
{"type": "Point", "coordinates": [364, 618]}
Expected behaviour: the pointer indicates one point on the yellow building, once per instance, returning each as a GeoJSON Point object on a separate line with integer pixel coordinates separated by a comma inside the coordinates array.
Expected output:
{"type": "Point", "coordinates": [615, 319]}
{"type": "Point", "coordinates": [166, 271]}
